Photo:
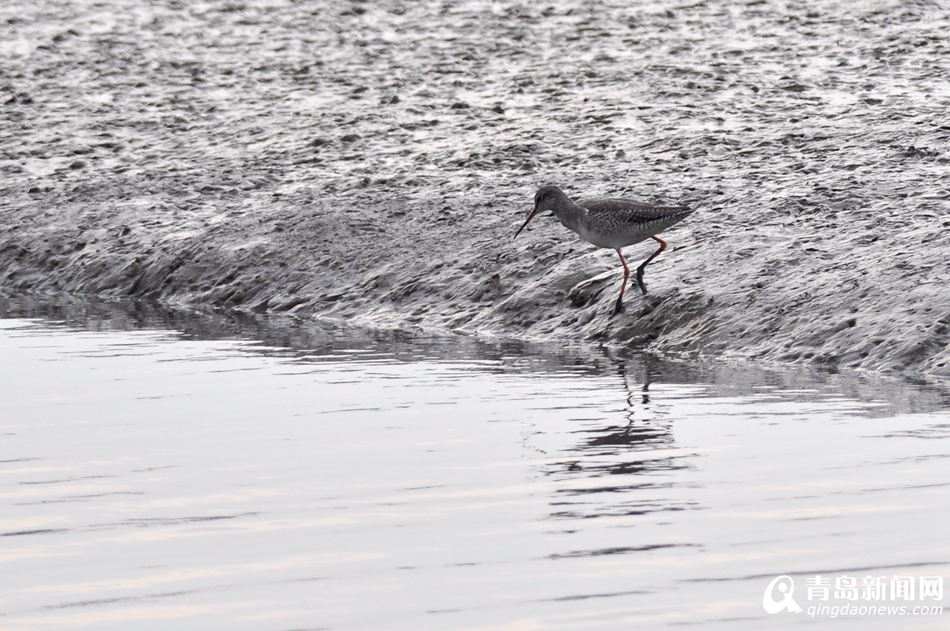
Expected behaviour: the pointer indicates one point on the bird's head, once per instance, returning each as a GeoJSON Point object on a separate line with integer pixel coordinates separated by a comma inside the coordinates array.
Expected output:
{"type": "Point", "coordinates": [547, 198]}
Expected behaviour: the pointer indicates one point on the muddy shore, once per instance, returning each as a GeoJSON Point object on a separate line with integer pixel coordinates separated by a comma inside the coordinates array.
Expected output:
{"type": "Point", "coordinates": [370, 162]}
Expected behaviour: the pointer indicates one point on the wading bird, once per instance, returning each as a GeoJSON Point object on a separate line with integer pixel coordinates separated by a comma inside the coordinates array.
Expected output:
{"type": "Point", "coordinates": [610, 223]}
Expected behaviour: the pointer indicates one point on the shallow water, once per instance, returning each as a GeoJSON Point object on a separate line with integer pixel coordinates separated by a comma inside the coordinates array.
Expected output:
{"type": "Point", "coordinates": [152, 477]}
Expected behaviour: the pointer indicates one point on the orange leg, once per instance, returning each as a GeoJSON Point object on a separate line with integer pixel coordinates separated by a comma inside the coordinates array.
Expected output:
{"type": "Point", "coordinates": [626, 274]}
{"type": "Point", "coordinates": [643, 265]}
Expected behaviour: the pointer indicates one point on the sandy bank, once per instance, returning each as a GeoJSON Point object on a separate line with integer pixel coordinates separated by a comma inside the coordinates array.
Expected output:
{"type": "Point", "coordinates": [370, 162]}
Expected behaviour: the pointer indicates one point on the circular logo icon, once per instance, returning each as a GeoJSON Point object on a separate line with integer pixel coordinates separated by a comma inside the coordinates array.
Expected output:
{"type": "Point", "coordinates": [778, 595]}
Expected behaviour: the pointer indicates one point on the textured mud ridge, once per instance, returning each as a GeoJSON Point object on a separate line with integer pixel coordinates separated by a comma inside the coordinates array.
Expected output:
{"type": "Point", "coordinates": [370, 162]}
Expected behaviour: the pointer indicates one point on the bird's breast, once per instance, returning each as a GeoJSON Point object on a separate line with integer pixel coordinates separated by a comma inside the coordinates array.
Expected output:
{"type": "Point", "coordinates": [613, 239]}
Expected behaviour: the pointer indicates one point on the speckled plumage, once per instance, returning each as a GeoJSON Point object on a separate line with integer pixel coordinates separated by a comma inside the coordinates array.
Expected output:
{"type": "Point", "coordinates": [610, 222]}
{"type": "Point", "coordinates": [616, 223]}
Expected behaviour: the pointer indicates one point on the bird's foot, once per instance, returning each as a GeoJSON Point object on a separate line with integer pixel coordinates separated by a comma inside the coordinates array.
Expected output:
{"type": "Point", "coordinates": [640, 283]}
{"type": "Point", "coordinates": [618, 307]}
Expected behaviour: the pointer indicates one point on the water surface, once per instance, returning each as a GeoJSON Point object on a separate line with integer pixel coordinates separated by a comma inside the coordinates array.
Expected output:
{"type": "Point", "coordinates": [169, 472]}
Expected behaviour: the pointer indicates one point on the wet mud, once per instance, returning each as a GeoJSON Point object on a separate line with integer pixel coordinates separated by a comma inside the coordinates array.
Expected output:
{"type": "Point", "coordinates": [370, 162]}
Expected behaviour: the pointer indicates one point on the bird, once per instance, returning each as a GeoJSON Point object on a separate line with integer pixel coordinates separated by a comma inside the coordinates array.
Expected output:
{"type": "Point", "coordinates": [610, 222]}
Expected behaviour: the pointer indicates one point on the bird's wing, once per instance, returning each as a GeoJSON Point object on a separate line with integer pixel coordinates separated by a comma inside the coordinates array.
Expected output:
{"type": "Point", "coordinates": [629, 211]}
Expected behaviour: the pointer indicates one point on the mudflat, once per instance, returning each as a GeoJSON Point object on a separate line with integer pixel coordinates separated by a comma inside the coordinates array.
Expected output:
{"type": "Point", "coordinates": [370, 162]}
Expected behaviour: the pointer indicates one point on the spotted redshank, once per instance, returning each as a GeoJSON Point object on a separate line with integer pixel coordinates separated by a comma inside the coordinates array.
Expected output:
{"type": "Point", "coordinates": [610, 223]}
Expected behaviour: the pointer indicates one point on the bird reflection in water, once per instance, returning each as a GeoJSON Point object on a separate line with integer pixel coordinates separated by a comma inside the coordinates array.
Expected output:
{"type": "Point", "coordinates": [631, 453]}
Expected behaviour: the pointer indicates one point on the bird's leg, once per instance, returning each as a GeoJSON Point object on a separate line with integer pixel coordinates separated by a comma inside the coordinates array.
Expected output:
{"type": "Point", "coordinates": [643, 265]}
{"type": "Point", "coordinates": [626, 274]}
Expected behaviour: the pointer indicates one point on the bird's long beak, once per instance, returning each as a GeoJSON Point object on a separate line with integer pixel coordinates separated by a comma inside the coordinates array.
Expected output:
{"type": "Point", "coordinates": [530, 217]}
